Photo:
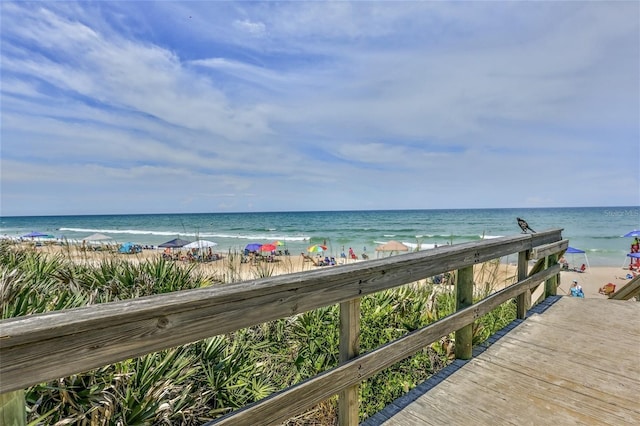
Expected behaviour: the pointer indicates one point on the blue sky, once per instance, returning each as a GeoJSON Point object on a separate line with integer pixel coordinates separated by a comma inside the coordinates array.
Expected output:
{"type": "Point", "coordinates": [154, 107]}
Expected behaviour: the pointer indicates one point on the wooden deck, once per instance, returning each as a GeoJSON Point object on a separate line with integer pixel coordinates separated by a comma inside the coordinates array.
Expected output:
{"type": "Point", "coordinates": [572, 361]}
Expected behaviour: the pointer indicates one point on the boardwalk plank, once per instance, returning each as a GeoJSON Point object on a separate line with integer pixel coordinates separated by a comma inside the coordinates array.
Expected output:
{"type": "Point", "coordinates": [454, 405]}
{"type": "Point", "coordinates": [610, 387]}
{"type": "Point", "coordinates": [576, 403]}
{"type": "Point", "coordinates": [499, 396]}
{"type": "Point", "coordinates": [585, 347]}
{"type": "Point", "coordinates": [576, 363]}
{"type": "Point", "coordinates": [612, 316]}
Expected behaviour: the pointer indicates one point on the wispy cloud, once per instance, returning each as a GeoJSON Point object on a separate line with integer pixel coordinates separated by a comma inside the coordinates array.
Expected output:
{"type": "Point", "coordinates": [302, 106]}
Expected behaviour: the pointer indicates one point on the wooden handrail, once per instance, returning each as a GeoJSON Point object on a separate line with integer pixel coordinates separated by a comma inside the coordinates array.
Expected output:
{"type": "Point", "coordinates": [278, 407]}
{"type": "Point", "coordinates": [548, 249]}
{"type": "Point", "coordinates": [629, 290]}
{"type": "Point", "coordinates": [37, 348]}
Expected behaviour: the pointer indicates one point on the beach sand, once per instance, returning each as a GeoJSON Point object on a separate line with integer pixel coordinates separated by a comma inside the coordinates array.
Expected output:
{"type": "Point", "coordinates": [230, 269]}
{"type": "Point", "coordinates": [593, 279]}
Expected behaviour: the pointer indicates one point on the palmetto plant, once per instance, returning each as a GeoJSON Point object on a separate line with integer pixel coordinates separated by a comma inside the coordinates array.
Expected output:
{"type": "Point", "coordinates": [314, 341]}
{"type": "Point", "coordinates": [232, 373]}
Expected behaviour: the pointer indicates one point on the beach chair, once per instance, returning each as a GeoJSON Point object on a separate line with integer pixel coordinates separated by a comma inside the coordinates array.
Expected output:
{"type": "Point", "coordinates": [311, 259]}
{"type": "Point", "coordinates": [583, 268]}
{"type": "Point", "coordinates": [607, 289]}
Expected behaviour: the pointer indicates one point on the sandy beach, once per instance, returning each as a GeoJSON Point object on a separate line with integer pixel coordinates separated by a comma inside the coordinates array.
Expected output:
{"type": "Point", "coordinates": [231, 269]}
{"type": "Point", "coordinates": [593, 279]}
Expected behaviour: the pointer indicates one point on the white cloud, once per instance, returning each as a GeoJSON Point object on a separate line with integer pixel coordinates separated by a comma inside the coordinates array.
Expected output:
{"type": "Point", "coordinates": [263, 104]}
{"type": "Point", "coordinates": [253, 28]}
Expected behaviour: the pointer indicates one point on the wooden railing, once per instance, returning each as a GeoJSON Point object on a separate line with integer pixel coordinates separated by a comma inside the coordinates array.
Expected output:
{"type": "Point", "coordinates": [37, 348]}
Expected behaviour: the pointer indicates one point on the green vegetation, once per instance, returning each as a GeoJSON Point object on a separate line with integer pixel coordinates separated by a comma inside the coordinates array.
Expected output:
{"type": "Point", "coordinates": [204, 380]}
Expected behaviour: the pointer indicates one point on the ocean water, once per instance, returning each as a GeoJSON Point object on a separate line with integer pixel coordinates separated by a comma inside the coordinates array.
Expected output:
{"type": "Point", "coordinates": [597, 230]}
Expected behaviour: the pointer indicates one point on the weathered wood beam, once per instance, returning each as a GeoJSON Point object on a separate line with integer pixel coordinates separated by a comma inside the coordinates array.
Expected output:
{"type": "Point", "coordinates": [551, 285]}
{"type": "Point", "coordinates": [464, 299]}
{"type": "Point", "coordinates": [629, 290]}
{"type": "Point", "coordinates": [348, 403]}
{"type": "Point", "coordinates": [523, 301]}
{"type": "Point", "coordinates": [549, 249]}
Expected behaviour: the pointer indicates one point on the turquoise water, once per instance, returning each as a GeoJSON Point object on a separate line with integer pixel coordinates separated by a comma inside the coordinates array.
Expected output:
{"type": "Point", "coordinates": [597, 230]}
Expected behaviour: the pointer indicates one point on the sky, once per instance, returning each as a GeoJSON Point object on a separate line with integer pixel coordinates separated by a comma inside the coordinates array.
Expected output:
{"type": "Point", "coordinates": [117, 107]}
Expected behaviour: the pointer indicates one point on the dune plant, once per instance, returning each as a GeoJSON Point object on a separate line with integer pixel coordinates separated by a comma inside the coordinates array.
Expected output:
{"type": "Point", "coordinates": [314, 341]}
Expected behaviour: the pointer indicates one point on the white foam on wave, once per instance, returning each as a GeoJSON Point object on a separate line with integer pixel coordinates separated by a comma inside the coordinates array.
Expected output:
{"type": "Point", "coordinates": [489, 237]}
{"type": "Point", "coordinates": [412, 246]}
{"type": "Point", "coordinates": [255, 237]}
{"type": "Point", "coordinates": [124, 231]}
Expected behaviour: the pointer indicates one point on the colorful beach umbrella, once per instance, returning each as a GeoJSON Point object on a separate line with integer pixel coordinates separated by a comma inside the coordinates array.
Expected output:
{"type": "Point", "coordinates": [278, 243]}
{"type": "Point", "coordinates": [316, 248]}
{"type": "Point", "coordinates": [634, 233]}
{"type": "Point", "coordinates": [267, 247]}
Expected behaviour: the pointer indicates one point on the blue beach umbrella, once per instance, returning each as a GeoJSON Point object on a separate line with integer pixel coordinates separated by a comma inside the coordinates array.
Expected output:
{"type": "Point", "coordinates": [175, 243]}
{"type": "Point", "coordinates": [35, 234]}
{"type": "Point", "coordinates": [253, 247]}
{"type": "Point", "coordinates": [573, 250]}
{"type": "Point", "coordinates": [634, 233]}
{"type": "Point", "coordinates": [634, 260]}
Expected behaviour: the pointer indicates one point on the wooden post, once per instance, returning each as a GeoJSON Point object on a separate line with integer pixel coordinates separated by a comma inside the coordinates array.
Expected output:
{"type": "Point", "coordinates": [464, 298]}
{"type": "Point", "coordinates": [348, 407]}
{"type": "Point", "coordinates": [551, 285]}
{"type": "Point", "coordinates": [13, 411]}
{"type": "Point", "coordinates": [523, 301]}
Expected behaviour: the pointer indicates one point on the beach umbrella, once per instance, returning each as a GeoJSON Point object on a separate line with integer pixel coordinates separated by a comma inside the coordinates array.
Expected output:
{"type": "Point", "coordinates": [278, 243]}
{"type": "Point", "coordinates": [267, 247]}
{"type": "Point", "coordinates": [634, 233]}
{"type": "Point", "coordinates": [316, 248]}
{"type": "Point", "coordinates": [36, 234]}
{"type": "Point", "coordinates": [253, 247]}
{"type": "Point", "coordinates": [573, 250]}
{"type": "Point", "coordinates": [392, 246]}
{"type": "Point", "coordinates": [175, 243]}
{"type": "Point", "coordinates": [634, 260]}
{"type": "Point", "coordinates": [200, 244]}
{"type": "Point", "coordinates": [97, 237]}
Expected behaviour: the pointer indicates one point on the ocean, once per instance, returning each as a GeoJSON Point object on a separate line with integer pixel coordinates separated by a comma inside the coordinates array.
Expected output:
{"type": "Point", "coordinates": [596, 230]}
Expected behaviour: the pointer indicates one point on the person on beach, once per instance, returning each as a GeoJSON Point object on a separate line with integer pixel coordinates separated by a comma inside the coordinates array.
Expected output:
{"type": "Point", "coordinates": [635, 248]}
{"type": "Point", "coordinates": [576, 289]}
{"type": "Point", "coordinates": [563, 262]}
{"type": "Point", "coordinates": [352, 255]}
